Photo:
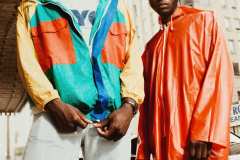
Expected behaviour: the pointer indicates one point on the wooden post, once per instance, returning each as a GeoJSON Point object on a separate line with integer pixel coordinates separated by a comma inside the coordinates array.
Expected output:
{"type": "Point", "coordinates": [8, 157]}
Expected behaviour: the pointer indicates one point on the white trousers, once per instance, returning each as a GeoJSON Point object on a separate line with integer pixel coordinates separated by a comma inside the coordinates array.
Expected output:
{"type": "Point", "coordinates": [45, 143]}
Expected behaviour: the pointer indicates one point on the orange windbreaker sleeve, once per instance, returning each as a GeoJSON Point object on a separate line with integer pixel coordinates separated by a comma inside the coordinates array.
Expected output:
{"type": "Point", "coordinates": [211, 115]}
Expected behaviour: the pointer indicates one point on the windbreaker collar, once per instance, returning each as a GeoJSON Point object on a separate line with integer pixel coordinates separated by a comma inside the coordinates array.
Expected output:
{"type": "Point", "coordinates": [100, 12]}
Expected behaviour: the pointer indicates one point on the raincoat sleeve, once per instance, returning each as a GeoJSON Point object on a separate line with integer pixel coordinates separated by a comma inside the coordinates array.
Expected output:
{"type": "Point", "coordinates": [132, 83]}
{"type": "Point", "coordinates": [211, 115]}
{"type": "Point", "coordinates": [143, 148]}
{"type": "Point", "coordinates": [36, 83]}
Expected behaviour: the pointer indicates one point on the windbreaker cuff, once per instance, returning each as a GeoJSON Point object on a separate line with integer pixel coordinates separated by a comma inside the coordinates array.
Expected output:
{"type": "Point", "coordinates": [51, 96]}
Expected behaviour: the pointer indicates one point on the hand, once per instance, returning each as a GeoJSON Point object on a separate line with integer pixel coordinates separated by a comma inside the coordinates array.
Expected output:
{"type": "Point", "coordinates": [65, 117]}
{"type": "Point", "coordinates": [200, 150]}
{"type": "Point", "coordinates": [117, 124]}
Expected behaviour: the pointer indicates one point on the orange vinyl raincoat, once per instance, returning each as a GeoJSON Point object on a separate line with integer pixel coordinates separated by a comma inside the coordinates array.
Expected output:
{"type": "Point", "coordinates": [188, 85]}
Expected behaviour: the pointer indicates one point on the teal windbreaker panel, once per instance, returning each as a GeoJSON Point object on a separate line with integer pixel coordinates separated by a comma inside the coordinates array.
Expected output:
{"type": "Point", "coordinates": [91, 85]}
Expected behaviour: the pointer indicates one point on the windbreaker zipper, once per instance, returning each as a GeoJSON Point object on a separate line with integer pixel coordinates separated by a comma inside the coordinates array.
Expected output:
{"type": "Point", "coordinates": [91, 40]}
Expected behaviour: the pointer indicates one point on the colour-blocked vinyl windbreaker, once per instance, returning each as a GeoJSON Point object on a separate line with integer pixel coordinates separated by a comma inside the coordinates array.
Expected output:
{"type": "Point", "coordinates": [54, 60]}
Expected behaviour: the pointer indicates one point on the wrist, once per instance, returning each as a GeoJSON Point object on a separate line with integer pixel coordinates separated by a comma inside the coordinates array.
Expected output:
{"type": "Point", "coordinates": [130, 103]}
{"type": "Point", "coordinates": [51, 104]}
{"type": "Point", "coordinates": [128, 109]}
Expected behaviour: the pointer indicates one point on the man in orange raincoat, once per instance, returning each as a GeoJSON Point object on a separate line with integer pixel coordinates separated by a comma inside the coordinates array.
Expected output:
{"type": "Point", "coordinates": [188, 85]}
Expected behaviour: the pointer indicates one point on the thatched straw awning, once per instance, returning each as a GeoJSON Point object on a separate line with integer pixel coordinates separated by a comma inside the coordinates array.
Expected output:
{"type": "Point", "coordinates": [12, 95]}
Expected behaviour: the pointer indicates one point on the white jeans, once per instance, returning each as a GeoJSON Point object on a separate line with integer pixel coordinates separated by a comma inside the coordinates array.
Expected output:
{"type": "Point", "coordinates": [45, 143]}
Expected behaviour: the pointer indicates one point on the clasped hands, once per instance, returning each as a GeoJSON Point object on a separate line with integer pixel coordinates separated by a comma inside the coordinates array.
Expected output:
{"type": "Point", "coordinates": [67, 119]}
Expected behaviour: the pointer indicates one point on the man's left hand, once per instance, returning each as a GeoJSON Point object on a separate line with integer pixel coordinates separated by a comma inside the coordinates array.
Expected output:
{"type": "Point", "coordinates": [117, 124]}
{"type": "Point", "coordinates": [200, 150]}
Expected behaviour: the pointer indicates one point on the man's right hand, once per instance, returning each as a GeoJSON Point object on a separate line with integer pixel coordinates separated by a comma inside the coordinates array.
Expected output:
{"type": "Point", "coordinates": [65, 117]}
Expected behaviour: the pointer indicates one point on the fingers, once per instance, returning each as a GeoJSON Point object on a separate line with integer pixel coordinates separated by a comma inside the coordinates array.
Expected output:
{"type": "Point", "coordinates": [106, 129]}
{"type": "Point", "coordinates": [115, 127]}
{"type": "Point", "coordinates": [66, 118]}
{"type": "Point", "coordinates": [209, 149]}
{"type": "Point", "coordinates": [199, 150]}
{"type": "Point", "coordinates": [79, 122]}
{"type": "Point", "coordinates": [62, 126]}
{"type": "Point", "coordinates": [79, 119]}
{"type": "Point", "coordinates": [192, 150]}
{"type": "Point", "coordinates": [82, 120]}
{"type": "Point", "coordinates": [205, 152]}
{"type": "Point", "coordinates": [83, 116]}
{"type": "Point", "coordinates": [108, 134]}
{"type": "Point", "coordinates": [102, 124]}
{"type": "Point", "coordinates": [86, 120]}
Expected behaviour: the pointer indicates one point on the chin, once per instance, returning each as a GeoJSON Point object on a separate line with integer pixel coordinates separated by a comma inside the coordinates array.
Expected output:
{"type": "Point", "coordinates": [164, 12]}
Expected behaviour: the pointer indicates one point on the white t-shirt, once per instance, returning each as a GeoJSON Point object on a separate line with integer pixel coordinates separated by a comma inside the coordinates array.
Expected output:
{"type": "Point", "coordinates": [85, 12]}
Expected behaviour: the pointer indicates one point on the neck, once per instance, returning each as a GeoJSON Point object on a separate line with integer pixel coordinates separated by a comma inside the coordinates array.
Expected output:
{"type": "Point", "coordinates": [167, 16]}
{"type": "Point", "coordinates": [166, 19]}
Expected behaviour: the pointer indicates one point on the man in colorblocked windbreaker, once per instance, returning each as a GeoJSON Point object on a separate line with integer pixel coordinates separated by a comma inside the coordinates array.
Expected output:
{"type": "Point", "coordinates": [78, 64]}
